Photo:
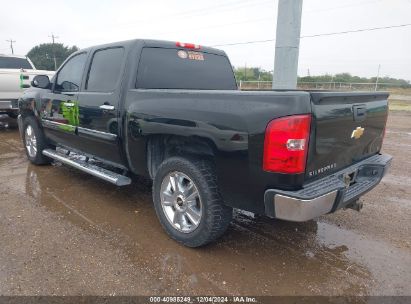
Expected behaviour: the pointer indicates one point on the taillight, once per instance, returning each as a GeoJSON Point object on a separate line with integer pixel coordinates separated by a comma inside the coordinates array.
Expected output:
{"type": "Point", "coordinates": [188, 45]}
{"type": "Point", "coordinates": [286, 144]}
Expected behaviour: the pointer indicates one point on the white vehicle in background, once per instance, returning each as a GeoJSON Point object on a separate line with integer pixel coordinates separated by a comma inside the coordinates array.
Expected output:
{"type": "Point", "coordinates": [16, 74]}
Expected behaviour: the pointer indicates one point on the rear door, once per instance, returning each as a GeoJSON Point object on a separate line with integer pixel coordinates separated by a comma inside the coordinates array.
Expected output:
{"type": "Point", "coordinates": [348, 127]}
{"type": "Point", "coordinates": [98, 104]}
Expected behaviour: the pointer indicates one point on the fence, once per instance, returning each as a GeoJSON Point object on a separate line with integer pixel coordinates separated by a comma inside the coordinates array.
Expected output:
{"type": "Point", "coordinates": [330, 85]}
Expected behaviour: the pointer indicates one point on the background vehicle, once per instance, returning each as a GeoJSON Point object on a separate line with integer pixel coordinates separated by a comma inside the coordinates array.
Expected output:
{"type": "Point", "coordinates": [172, 112]}
{"type": "Point", "coordinates": [16, 73]}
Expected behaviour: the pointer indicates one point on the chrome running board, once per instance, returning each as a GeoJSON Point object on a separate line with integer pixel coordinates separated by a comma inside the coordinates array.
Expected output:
{"type": "Point", "coordinates": [76, 162]}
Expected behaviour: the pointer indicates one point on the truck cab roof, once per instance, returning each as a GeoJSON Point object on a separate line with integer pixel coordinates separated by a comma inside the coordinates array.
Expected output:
{"type": "Point", "coordinates": [159, 44]}
{"type": "Point", "coordinates": [13, 56]}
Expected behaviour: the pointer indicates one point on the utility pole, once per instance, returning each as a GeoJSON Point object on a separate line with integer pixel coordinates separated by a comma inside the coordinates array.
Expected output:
{"type": "Point", "coordinates": [287, 44]}
{"type": "Point", "coordinates": [378, 77]}
{"type": "Point", "coordinates": [54, 51]}
{"type": "Point", "coordinates": [11, 44]}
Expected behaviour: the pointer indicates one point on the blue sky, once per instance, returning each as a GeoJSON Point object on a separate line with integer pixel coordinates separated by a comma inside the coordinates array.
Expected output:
{"type": "Point", "coordinates": [213, 22]}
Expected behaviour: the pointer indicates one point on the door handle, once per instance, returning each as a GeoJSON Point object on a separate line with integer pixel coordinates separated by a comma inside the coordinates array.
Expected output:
{"type": "Point", "coordinates": [107, 107]}
{"type": "Point", "coordinates": [360, 112]}
{"type": "Point", "coordinates": [68, 104]}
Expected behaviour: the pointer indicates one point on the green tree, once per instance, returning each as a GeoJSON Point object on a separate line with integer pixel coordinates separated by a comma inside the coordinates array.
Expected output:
{"type": "Point", "coordinates": [255, 73]}
{"type": "Point", "coordinates": [348, 78]}
{"type": "Point", "coordinates": [252, 74]}
{"type": "Point", "coordinates": [43, 55]}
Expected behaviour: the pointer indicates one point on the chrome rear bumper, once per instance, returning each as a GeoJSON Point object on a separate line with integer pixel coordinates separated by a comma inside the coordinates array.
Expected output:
{"type": "Point", "coordinates": [7, 105]}
{"type": "Point", "coordinates": [328, 194]}
{"type": "Point", "coordinates": [299, 210]}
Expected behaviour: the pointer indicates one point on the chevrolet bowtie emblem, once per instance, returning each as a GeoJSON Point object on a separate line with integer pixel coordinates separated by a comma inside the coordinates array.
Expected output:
{"type": "Point", "coordinates": [357, 133]}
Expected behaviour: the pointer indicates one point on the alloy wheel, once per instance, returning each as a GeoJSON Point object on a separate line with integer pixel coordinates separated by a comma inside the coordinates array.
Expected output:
{"type": "Point", "coordinates": [31, 141]}
{"type": "Point", "coordinates": [181, 202]}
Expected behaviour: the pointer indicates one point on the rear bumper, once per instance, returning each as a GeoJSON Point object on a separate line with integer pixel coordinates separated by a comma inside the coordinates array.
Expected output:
{"type": "Point", "coordinates": [328, 194]}
{"type": "Point", "coordinates": [9, 105]}
{"type": "Point", "coordinates": [9, 110]}
{"type": "Point", "coordinates": [6, 120]}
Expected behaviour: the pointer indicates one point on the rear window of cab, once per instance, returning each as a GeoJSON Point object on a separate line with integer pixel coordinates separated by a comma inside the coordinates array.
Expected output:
{"type": "Point", "coordinates": [167, 68]}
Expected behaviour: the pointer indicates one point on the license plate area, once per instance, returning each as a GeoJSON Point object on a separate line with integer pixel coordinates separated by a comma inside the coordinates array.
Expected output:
{"type": "Point", "coordinates": [350, 178]}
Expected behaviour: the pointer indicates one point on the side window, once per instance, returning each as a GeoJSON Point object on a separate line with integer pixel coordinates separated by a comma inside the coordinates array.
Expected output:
{"type": "Point", "coordinates": [69, 77]}
{"type": "Point", "coordinates": [105, 70]}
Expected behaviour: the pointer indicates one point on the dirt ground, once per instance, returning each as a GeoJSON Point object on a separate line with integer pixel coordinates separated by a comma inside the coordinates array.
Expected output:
{"type": "Point", "coordinates": [63, 232]}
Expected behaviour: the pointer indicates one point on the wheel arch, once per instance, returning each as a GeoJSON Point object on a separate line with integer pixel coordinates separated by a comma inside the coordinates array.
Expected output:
{"type": "Point", "coordinates": [161, 147]}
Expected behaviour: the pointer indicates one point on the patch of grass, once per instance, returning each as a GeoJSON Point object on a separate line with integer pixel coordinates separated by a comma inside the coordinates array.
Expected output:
{"type": "Point", "coordinates": [399, 91]}
{"type": "Point", "coordinates": [399, 105]}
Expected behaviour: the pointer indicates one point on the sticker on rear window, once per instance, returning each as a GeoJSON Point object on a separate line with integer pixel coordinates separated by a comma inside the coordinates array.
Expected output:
{"type": "Point", "coordinates": [190, 55]}
{"type": "Point", "coordinates": [195, 56]}
{"type": "Point", "coordinates": [182, 54]}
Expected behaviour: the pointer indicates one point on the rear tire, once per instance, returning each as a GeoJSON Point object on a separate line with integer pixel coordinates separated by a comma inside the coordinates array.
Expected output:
{"type": "Point", "coordinates": [190, 209]}
{"type": "Point", "coordinates": [34, 141]}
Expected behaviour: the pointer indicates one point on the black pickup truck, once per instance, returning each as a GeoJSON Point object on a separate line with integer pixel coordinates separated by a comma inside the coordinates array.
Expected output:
{"type": "Point", "coordinates": [172, 112]}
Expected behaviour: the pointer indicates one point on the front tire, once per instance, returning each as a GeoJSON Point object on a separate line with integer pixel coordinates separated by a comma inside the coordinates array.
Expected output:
{"type": "Point", "coordinates": [34, 141]}
{"type": "Point", "coordinates": [187, 201]}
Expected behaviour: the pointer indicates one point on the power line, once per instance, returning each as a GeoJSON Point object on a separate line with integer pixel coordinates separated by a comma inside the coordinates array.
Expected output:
{"type": "Point", "coordinates": [342, 6]}
{"type": "Point", "coordinates": [319, 35]}
{"type": "Point", "coordinates": [11, 44]}
{"type": "Point", "coordinates": [219, 7]}
{"type": "Point", "coordinates": [268, 18]}
{"type": "Point", "coordinates": [222, 25]}
{"type": "Point", "coordinates": [359, 30]}
{"type": "Point", "coordinates": [245, 42]}
{"type": "Point", "coordinates": [222, 7]}
{"type": "Point", "coordinates": [232, 5]}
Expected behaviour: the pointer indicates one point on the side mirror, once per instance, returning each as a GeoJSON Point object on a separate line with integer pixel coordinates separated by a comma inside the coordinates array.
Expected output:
{"type": "Point", "coordinates": [41, 81]}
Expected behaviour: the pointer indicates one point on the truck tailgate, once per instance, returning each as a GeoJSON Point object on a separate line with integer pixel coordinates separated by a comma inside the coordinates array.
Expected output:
{"type": "Point", "coordinates": [347, 127]}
